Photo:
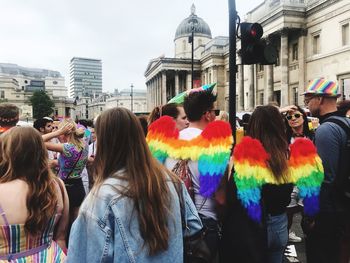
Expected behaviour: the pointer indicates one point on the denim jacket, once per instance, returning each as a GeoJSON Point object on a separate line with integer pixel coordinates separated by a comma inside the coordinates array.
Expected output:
{"type": "Point", "coordinates": [107, 228]}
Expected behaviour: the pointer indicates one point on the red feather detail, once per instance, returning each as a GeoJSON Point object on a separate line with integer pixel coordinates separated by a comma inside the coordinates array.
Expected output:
{"type": "Point", "coordinates": [166, 126]}
{"type": "Point", "coordinates": [302, 151]}
{"type": "Point", "coordinates": [251, 150]}
{"type": "Point", "coordinates": [302, 147]}
{"type": "Point", "coordinates": [217, 129]}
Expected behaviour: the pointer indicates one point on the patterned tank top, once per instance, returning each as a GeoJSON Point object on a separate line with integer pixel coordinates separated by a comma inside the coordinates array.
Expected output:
{"type": "Point", "coordinates": [17, 246]}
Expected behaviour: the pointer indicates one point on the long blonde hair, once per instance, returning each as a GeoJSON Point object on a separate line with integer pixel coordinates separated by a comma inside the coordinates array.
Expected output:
{"type": "Point", "coordinates": [23, 155]}
{"type": "Point", "coordinates": [75, 135]}
{"type": "Point", "coordinates": [121, 144]}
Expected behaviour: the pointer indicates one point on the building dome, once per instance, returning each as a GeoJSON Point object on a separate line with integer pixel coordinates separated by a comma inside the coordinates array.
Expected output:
{"type": "Point", "coordinates": [201, 28]}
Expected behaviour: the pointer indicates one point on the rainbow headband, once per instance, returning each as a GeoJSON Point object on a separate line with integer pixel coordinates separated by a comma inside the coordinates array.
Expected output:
{"type": "Point", "coordinates": [252, 172]}
{"type": "Point", "coordinates": [211, 149]}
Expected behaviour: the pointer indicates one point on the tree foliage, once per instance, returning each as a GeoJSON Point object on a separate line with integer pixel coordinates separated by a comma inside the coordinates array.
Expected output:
{"type": "Point", "coordinates": [42, 104]}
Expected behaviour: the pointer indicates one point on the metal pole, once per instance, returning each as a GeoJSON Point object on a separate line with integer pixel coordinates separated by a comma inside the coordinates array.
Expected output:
{"type": "Point", "coordinates": [192, 73]}
{"type": "Point", "coordinates": [131, 95]}
{"type": "Point", "coordinates": [233, 67]}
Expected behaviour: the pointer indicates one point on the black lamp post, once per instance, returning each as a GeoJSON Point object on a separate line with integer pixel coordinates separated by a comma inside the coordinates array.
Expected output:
{"type": "Point", "coordinates": [131, 96]}
{"type": "Point", "coordinates": [194, 23]}
{"type": "Point", "coordinates": [232, 64]}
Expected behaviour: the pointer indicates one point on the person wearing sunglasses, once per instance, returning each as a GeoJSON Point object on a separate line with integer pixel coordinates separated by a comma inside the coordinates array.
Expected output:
{"type": "Point", "coordinates": [296, 126]}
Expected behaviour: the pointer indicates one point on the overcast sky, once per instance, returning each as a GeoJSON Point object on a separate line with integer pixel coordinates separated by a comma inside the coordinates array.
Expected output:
{"type": "Point", "coordinates": [125, 35]}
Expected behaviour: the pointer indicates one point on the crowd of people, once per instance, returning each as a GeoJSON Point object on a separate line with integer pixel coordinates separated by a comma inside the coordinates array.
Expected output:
{"type": "Point", "coordinates": [169, 187]}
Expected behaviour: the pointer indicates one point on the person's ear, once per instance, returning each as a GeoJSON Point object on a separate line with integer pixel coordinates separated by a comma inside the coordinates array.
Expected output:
{"type": "Point", "coordinates": [207, 115]}
{"type": "Point", "coordinates": [42, 129]}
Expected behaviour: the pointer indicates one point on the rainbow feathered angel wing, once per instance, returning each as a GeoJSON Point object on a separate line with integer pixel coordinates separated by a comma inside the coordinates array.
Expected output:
{"type": "Point", "coordinates": [251, 173]}
{"type": "Point", "coordinates": [211, 149]}
{"type": "Point", "coordinates": [307, 172]}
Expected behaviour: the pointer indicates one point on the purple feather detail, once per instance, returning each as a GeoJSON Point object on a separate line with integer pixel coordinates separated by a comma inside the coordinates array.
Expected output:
{"type": "Point", "coordinates": [254, 212]}
{"type": "Point", "coordinates": [208, 184]}
{"type": "Point", "coordinates": [311, 205]}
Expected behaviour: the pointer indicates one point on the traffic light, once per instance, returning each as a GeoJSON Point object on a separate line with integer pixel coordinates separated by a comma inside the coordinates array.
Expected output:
{"type": "Point", "coordinates": [255, 50]}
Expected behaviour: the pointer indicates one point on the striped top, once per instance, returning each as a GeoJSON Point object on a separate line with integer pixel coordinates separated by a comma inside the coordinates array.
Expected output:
{"type": "Point", "coordinates": [17, 246]}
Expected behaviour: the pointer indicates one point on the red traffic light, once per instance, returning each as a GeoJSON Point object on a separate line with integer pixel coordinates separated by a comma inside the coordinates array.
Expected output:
{"type": "Point", "coordinates": [252, 31]}
{"type": "Point", "coordinates": [254, 50]}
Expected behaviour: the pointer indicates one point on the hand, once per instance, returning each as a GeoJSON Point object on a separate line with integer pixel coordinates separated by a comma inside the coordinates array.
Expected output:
{"type": "Point", "coordinates": [288, 108]}
{"type": "Point", "coordinates": [65, 129]}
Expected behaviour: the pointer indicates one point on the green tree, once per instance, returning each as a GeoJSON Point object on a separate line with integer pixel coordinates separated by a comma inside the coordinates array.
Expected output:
{"type": "Point", "coordinates": [42, 104]}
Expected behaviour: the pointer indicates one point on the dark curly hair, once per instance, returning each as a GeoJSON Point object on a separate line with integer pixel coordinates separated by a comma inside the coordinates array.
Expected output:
{"type": "Point", "coordinates": [197, 103]}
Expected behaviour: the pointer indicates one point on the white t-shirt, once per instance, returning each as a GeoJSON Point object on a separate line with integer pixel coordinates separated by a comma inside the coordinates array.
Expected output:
{"type": "Point", "coordinates": [205, 206]}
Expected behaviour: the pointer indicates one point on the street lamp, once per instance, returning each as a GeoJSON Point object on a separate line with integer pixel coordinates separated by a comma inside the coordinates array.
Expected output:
{"type": "Point", "coordinates": [131, 96]}
{"type": "Point", "coordinates": [193, 21]}
{"type": "Point", "coordinates": [232, 65]}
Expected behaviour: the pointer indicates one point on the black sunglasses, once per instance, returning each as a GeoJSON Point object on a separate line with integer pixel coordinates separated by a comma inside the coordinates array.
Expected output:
{"type": "Point", "coordinates": [217, 112]}
{"type": "Point", "coordinates": [296, 115]}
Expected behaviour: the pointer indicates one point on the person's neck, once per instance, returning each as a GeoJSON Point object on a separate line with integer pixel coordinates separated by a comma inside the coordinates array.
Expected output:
{"type": "Point", "coordinates": [198, 124]}
{"type": "Point", "coordinates": [328, 108]}
{"type": "Point", "coordinates": [298, 130]}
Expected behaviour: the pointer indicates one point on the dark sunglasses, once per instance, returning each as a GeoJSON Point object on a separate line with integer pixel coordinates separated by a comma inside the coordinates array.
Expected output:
{"type": "Point", "coordinates": [296, 115]}
{"type": "Point", "coordinates": [217, 112]}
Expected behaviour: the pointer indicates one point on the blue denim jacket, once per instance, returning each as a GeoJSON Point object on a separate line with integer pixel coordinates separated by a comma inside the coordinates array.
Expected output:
{"type": "Point", "coordinates": [107, 228]}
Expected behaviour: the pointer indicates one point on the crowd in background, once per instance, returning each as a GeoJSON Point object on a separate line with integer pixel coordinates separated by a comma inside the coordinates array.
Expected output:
{"type": "Point", "coordinates": [126, 188]}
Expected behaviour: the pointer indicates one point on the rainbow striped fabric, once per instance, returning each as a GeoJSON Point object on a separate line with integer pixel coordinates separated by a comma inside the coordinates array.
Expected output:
{"type": "Point", "coordinates": [252, 172]}
{"type": "Point", "coordinates": [322, 86]}
{"type": "Point", "coordinates": [211, 149]}
{"type": "Point", "coordinates": [13, 240]}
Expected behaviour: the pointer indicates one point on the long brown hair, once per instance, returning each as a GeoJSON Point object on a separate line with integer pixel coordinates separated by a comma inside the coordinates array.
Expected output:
{"type": "Point", "coordinates": [23, 156]}
{"type": "Point", "coordinates": [121, 144]}
{"type": "Point", "coordinates": [266, 124]}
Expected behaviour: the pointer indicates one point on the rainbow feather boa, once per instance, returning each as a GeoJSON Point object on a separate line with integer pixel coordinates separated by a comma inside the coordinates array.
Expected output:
{"type": "Point", "coordinates": [252, 172]}
{"type": "Point", "coordinates": [211, 149]}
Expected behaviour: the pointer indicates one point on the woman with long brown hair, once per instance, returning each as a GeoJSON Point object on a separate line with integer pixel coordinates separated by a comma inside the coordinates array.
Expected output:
{"type": "Point", "coordinates": [132, 214]}
{"type": "Point", "coordinates": [33, 202]}
{"type": "Point", "coordinates": [265, 169]}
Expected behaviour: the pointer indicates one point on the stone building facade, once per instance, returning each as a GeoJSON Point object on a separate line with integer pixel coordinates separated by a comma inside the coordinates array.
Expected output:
{"type": "Point", "coordinates": [17, 85]}
{"type": "Point", "coordinates": [312, 38]}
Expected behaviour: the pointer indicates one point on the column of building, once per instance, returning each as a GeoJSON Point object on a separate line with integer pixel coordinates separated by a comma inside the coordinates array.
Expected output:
{"type": "Point", "coordinates": [176, 82]}
{"type": "Point", "coordinates": [268, 96]}
{"type": "Point", "coordinates": [302, 64]}
{"type": "Point", "coordinates": [241, 87]}
{"type": "Point", "coordinates": [251, 93]}
{"type": "Point", "coordinates": [163, 89]}
{"type": "Point", "coordinates": [284, 69]}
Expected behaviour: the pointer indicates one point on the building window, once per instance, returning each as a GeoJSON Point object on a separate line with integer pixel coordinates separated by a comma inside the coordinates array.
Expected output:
{"type": "Point", "coordinates": [316, 44]}
{"type": "Point", "coordinates": [278, 58]}
{"type": "Point", "coordinates": [101, 109]}
{"type": "Point", "coordinates": [2, 94]}
{"type": "Point", "coordinates": [209, 80]}
{"type": "Point", "coordinates": [261, 98]}
{"type": "Point", "coordinates": [345, 34]}
{"type": "Point", "coordinates": [295, 51]}
{"type": "Point", "coordinates": [55, 82]}
{"type": "Point", "coordinates": [260, 67]}
{"type": "Point", "coordinates": [295, 91]}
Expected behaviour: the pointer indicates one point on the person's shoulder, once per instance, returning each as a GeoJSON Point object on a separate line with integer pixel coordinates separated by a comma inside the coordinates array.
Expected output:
{"type": "Point", "coordinates": [189, 133]}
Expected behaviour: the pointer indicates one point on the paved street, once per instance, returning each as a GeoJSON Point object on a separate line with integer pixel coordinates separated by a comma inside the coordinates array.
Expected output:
{"type": "Point", "coordinates": [300, 247]}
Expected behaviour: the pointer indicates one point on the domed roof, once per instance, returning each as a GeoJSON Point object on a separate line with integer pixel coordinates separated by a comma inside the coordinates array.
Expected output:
{"type": "Point", "coordinates": [201, 28]}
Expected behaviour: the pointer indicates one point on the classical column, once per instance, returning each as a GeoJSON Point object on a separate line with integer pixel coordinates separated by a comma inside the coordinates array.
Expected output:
{"type": "Point", "coordinates": [188, 80]}
{"type": "Point", "coordinates": [176, 82]}
{"type": "Point", "coordinates": [163, 90]}
{"type": "Point", "coordinates": [251, 94]}
{"type": "Point", "coordinates": [269, 85]}
{"type": "Point", "coordinates": [284, 69]}
{"type": "Point", "coordinates": [241, 87]}
{"type": "Point", "coordinates": [302, 65]}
